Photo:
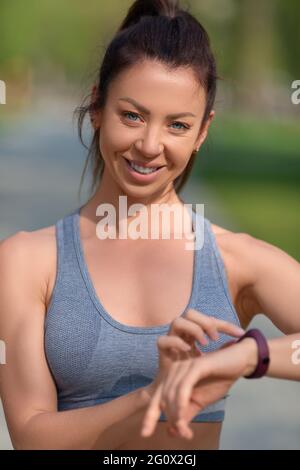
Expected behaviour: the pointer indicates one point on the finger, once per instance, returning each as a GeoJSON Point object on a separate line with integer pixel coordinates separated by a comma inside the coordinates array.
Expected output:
{"type": "Point", "coordinates": [170, 390]}
{"type": "Point", "coordinates": [229, 328]}
{"type": "Point", "coordinates": [194, 351]}
{"type": "Point", "coordinates": [167, 394]}
{"type": "Point", "coordinates": [198, 325]}
{"type": "Point", "coordinates": [167, 343]}
{"type": "Point", "coordinates": [173, 431]}
{"type": "Point", "coordinates": [173, 347]}
{"type": "Point", "coordinates": [152, 414]}
{"type": "Point", "coordinates": [208, 323]}
{"type": "Point", "coordinates": [181, 405]}
{"type": "Point", "coordinates": [212, 325]}
{"type": "Point", "coordinates": [183, 400]}
{"type": "Point", "coordinates": [181, 326]}
{"type": "Point", "coordinates": [185, 429]}
{"type": "Point", "coordinates": [191, 341]}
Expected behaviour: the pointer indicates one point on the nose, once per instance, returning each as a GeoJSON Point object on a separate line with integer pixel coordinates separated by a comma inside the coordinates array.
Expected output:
{"type": "Point", "coordinates": [150, 145]}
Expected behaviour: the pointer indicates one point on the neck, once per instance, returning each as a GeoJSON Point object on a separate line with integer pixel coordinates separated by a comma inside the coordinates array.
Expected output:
{"type": "Point", "coordinates": [109, 193]}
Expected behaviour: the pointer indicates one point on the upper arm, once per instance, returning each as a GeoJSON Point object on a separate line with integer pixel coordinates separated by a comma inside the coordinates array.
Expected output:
{"type": "Point", "coordinates": [26, 384]}
{"type": "Point", "coordinates": [276, 283]}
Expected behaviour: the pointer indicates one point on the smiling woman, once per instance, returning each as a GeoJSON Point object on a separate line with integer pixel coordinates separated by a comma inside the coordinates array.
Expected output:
{"type": "Point", "coordinates": [168, 146]}
{"type": "Point", "coordinates": [149, 77]}
{"type": "Point", "coordinates": [95, 324]}
{"type": "Point", "coordinates": [151, 109]}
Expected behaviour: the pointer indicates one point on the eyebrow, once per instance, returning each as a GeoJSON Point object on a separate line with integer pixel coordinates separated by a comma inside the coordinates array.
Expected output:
{"type": "Point", "coordinates": [146, 111]}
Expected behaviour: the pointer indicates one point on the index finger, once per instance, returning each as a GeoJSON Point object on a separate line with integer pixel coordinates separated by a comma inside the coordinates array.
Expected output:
{"type": "Point", "coordinates": [221, 325]}
{"type": "Point", "coordinates": [229, 328]}
{"type": "Point", "coordinates": [152, 413]}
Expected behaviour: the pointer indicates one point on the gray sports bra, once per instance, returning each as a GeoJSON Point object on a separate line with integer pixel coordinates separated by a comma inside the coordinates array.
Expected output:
{"type": "Point", "coordinates": [94, 358]}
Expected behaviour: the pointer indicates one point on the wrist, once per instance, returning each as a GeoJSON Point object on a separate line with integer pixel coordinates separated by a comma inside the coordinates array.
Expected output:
{"type": "Point", "coordinates": [250, 350]}
{"type": "Point", "coordinates": [263, 354]}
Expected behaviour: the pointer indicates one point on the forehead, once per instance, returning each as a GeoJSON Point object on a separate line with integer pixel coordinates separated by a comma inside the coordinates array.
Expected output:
{"type": "Point", "coordinates": [158, 87]}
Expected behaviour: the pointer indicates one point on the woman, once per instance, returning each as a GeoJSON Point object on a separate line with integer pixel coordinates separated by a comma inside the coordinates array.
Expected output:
{"type": "Point", "coordinates": [82, 356]}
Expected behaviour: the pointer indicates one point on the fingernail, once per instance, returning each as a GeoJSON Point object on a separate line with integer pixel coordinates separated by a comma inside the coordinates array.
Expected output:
{"type": "Point", "coordinates": [145, 431]}
{"type": "Point", "coordinates": [240, 330]}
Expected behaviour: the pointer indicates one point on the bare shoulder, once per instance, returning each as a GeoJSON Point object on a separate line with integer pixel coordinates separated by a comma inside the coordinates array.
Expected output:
{"type": "Point", "coordinates": [32, 253]}
{"type": "Point", "coordinates": [218, 230]}
{"type": "Point", "coordinates": [265, 279]}
{"type": "Point", "coordinates": [240, 251]}
{"type": "Point", "coordinates": [242, 244]}
{"type": "Point", "coordinates": [237, 252]}
{"type": "Point", "coordinates": [25, 243]}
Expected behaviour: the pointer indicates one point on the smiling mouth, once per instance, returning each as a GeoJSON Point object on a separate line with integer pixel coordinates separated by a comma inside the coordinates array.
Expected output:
{"type": "Point", "coordinates": [143, 169]}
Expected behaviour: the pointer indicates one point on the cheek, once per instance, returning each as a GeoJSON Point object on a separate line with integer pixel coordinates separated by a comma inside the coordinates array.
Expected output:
{"type": "Point", "coordinates": [110, 143]}
{"type": "Point", "coordinates": [116, 138]}
{"type": "Point", "coordinates": [181, 158]}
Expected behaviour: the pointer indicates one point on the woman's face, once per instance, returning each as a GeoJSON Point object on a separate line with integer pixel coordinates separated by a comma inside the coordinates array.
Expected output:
{"type": "Point", "coordinates": [152, 116]}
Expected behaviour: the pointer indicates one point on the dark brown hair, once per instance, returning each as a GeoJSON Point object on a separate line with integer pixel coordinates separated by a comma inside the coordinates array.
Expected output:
{"type": "Point", "coordinates": [159, 30]}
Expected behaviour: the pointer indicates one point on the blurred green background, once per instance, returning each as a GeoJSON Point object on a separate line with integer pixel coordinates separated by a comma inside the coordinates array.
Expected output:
{"type": "Point", "coordinates": [247, 172]}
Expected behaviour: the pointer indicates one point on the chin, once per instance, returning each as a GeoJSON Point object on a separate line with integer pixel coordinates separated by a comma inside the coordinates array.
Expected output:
{"type": "Point", "coordinates": [139, 192]}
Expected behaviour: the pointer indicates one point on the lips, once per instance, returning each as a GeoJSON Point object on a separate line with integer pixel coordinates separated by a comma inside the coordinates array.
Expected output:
{"type": "Point", "coordinates": [143, 164]}
{"type": "Point", "coordinates": [139, 177]}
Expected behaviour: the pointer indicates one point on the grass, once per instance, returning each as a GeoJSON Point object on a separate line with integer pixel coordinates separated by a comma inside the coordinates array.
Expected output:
{"type": "Point", "coordinates": [251, 149]}
{"type": "Point", "coordinates": [267, 210]}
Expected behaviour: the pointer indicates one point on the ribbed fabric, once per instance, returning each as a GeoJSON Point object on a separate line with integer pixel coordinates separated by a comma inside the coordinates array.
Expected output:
{"type": "Point", "coordinates": [94, 358]}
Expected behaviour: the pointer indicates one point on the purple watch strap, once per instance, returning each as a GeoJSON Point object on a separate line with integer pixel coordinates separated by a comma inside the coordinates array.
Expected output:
{"type": "Point", "coordinates": [263, 353]}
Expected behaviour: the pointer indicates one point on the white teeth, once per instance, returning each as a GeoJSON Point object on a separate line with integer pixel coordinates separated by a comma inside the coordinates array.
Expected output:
{"type": "Point", "coordinates": [141, 169]}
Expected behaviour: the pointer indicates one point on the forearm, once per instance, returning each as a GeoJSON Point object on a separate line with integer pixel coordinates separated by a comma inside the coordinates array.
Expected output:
{"type": "Point", "coordinates": [284, 357]}
{"type": "Point", "coordinates": [119, 433]}
{"type": "Point", "coordinates": [285, 361]}
{"type": "Point", "coordinates": [82, 428]}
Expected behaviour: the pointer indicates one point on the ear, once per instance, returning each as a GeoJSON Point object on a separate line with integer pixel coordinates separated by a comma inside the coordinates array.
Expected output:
{"type": "Point", "coordinates": [95, 115]}
{"type": "Point", "coordinates": [204, 130]}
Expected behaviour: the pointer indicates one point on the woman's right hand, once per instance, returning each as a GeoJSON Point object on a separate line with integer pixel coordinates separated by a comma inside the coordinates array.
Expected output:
{"type": "Point", "coordinates": [193, 384]}
{"type": "Point", "coordinates": [179, 345]}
